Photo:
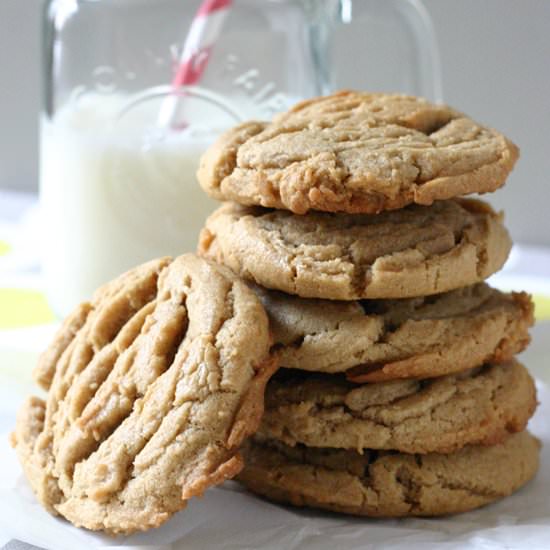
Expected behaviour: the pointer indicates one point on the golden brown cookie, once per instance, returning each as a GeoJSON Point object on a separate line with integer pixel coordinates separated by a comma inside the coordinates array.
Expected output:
{"type": "Point", "coordinates": [416, 251]}
{"type": "Point", "coordinates": [386, 484]}
{"type": "Point", "coordinates": [153, 386]}
{"type": "Point", "coordinates": [358, 153]}
{"type": "Point", "coordinates": [379, 340]}
{"type": "Point", "coordinates": [480, 406]}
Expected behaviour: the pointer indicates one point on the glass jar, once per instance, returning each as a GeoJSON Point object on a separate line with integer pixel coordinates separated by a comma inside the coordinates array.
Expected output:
{"type": "Point", "coordinates": [117, 182]}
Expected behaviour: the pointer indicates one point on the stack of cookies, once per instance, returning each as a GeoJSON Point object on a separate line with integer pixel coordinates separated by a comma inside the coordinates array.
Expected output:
{"type": "Point", "coordinates": [363, 278]}
{"type": "Point", "coordinates": [399, 393]}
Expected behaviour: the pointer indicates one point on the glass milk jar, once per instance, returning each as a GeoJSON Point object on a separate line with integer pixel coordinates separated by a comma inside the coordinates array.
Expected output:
{"type": "Point", "coordinates": [135, 90]}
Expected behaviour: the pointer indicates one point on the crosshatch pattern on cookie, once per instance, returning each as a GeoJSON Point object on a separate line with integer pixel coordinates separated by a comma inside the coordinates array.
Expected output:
{"type": "Point", "coordinates": [153, 385]}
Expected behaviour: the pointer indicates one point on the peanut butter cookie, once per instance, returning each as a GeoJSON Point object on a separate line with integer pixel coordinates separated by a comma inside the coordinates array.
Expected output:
{"type": "Point", "coordinates": [386, 484]}
{"type": "Point", "coordinates": [358, 153]}
{"type": "Point", "coordinates": [379, 340]}
{"type": "Point", "coordinates": [416, 251]}
{"type": "Point", "coordinates": [480, 406]}
{"type": "Point", "coordinates": [152, 387]}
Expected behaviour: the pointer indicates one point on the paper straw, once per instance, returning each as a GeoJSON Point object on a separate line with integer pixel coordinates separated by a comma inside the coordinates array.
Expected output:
{"type": "Point", "coordinates": [204, 31]}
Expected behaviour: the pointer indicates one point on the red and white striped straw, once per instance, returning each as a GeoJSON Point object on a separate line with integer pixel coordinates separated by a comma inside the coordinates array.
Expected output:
{"type": "Point", "coordinates": [204, 32]}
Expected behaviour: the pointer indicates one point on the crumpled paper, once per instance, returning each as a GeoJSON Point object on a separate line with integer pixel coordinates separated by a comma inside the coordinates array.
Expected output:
{"type": "Point", "coordinates": [227, 517]}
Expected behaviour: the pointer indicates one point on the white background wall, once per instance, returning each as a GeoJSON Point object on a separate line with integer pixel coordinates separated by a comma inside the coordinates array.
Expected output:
{"type": "Point", "coordinates": [496, 67]}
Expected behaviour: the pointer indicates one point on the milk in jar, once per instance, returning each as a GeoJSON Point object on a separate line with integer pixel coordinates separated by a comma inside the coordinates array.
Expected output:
{"type": "Point", "coordinates": [117, 190]}
{"type": "Point", "coordinates": [117, 187]}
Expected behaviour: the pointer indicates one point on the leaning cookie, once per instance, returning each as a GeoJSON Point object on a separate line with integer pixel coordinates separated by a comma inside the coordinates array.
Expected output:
{"type": "Point", "coordinates": [480, 406]}
{"type": "Point", "coordinates": [380, 340]}
{"type": "Point", "coordinates": [386, 484]}
{"type": "Point", "coordinates": [358, 153]}
{"type": "Point", "coordinates": [416, 251]}
{"type": "Point", "coordinates": [153, 386]}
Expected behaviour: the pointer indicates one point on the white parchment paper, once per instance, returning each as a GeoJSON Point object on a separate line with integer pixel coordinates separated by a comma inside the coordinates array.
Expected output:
{"type": "Point", "coordinates": [229, 518]}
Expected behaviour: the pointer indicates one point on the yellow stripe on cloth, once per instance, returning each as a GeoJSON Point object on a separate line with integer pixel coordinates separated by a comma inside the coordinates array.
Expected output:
{"type": "Point", "coordinates": [21, 307]}
{"type": "Point", "coordinates": [4, 248]}
{"type": "Point", "coordinates": [542, 307]}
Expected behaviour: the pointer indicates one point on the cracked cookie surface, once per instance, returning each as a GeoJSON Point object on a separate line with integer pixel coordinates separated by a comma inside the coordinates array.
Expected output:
{"type": "Point", "coordinates": [480, 406]}
{"type": "Point", "coordinates": [416, 251]}
{"type": "Point", "coordinates": [152, 387]}
{"type": "Point", "coordinates": [379, 340]}
{"type": "Point", "coordinates": [358, 153]}
{"type": "Point", "coordinates": [384, 484]}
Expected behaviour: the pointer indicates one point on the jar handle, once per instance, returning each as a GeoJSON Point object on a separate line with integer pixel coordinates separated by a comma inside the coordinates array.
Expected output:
{"type": "Point", "coordinates": [418, 27]}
